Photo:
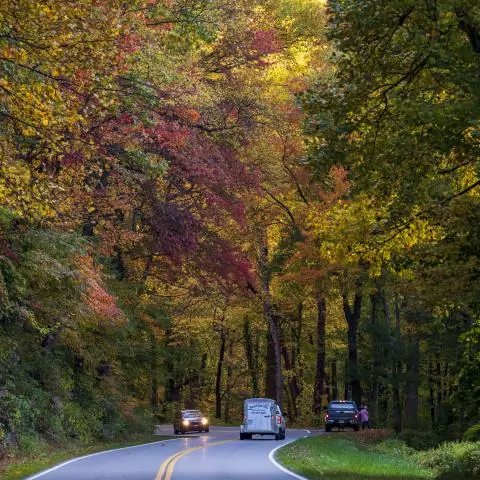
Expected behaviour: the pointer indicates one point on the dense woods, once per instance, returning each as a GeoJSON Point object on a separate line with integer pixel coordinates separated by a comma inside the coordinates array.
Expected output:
{"type": "Point", "coordinates": [203, 201]}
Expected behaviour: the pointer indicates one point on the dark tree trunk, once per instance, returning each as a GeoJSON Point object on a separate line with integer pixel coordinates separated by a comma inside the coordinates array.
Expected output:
{"type": "Point", "coordinates": [328, 387]}
{"type": "Point", "coordinates": [438, 382]}
{"type": "Point", "coordinates": [470, 27]}
{"type": "Point", "coordinates": [446, 382]}
{"type": "Point", "coordinates": [377, 348]}
{"type": "Point", "coordinates": [173, 391]}
{"type": "Point", "coordinates": [292, 389]}
{"type": "Point", "coordinates": [296, 357]}
{"type": "Point", "coordinates": [119, 264]}
{"type": "Point", "coordinates": [397, 408]}
{"type": "Point", "coordinates": [251, 354]}
{"type": "Point", "coordinates": [320, 363]}
{"type": "Point", "coordinates": [272, 322]}
{"type": "Point", "coordinates": [218, 379]}
{"type": "Point", "coordinates": [334, 380]}
{"type": "Point", "coordinates": [431, 392]}
{"type": "Point", "coordinates": [347, 387]}
{"type": "Point", "coordinates": [153, 370]}
{"type": "Point", "coordinates": [229, 382]}
{"type": "Point", "coordinates": [352, 315]}
{"type": "Point", "coordinates": [397, 366]}
{"type": "Point", "coordinates": [412, 384]}
{"type": "Point", "coordinates": [269, 368]}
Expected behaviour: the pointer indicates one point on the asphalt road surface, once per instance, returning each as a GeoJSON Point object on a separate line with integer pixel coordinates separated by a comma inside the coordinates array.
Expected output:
{"type": "Point", "coordinates": [217, 455]}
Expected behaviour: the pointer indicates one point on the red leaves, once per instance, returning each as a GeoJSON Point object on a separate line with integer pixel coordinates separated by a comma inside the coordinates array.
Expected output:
{"type": "Point", "coordinates": [265, 42]}
{"type": "Point", "coordinates": [175, 231]}
{"type": "Point", "coordinates": [72, 157]}
{"type": "Point", "coordinates": [129, 43]}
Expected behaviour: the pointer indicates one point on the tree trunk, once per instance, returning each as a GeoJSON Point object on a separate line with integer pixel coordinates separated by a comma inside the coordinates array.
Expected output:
{"type": "Point", "coordinates": [438, 382]}
{"type": "Point", "coordinates": [397, 407]}
{"type": "Point", "coordinates": [269, 368]}
{"type": "Point", "coordinates": [229, 382]}
{"type": "Point", "coordinates": [377, 348]}
{"type": "Point", "coordinates": [153, 371]}
{"type": "Point", "coordinates": [250, 353]}
{"type": "Point", "coordinates": [334, 380]}
{"type": "Point", "coordinates": [218, 380]}
{"type": "Point", "coordinates": [320, 363]}
{"type": "Point", "coordinates": [470, 27]}
{"type": "Point", "coordinates": [292, 390]}
{"type": "Point", "coordinates": [413, 379]}
{"type": "Point", "coordinates": [431, 392]}
{"type": "Point", "coordinates": [352, 315]}
{"type": "Point", "coordinates": [272, 322]}
{"type": "Point", "coordinates": [328, 387]}
{"type": "Point", "coordinates": [174, 387]}
{"type": "Point", "coordinates": [173, 391]}
{"type": "Point", "coordinates": [296, 350]}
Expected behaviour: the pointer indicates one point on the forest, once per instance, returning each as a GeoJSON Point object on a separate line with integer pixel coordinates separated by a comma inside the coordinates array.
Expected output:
{"type": "Point", "coordinates": [203, 201]}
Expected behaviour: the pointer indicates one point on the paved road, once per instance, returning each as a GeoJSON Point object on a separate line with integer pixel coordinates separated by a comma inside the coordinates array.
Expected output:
{"type": "Point", "coordinates": [217, 455]}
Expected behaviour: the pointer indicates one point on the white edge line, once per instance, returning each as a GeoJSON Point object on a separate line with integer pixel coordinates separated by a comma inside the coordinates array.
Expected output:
{"type": "Point", "coordinates": [308, 431]}
{"type": "Point", "coordinates": [281, 467]}
{"type": "Point", "coordinates": [60, 465]}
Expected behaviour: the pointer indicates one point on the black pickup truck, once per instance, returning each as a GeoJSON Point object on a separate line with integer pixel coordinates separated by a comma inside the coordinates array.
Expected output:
{"type": "Point", "coordinates": [341, 414]}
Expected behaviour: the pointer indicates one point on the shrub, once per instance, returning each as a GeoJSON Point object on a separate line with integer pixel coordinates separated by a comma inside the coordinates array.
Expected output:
{"type": "Point", "coordinates": [419, 439]}
{"type": "Point", "coordinates": [453, 459]}
{"type": "Point", "coordinates": [31, 443]}
{"type": "Point", "coordinates": [393, 446]}
{"type": "Point", "coordinates": [368, 437]}
{"type": "Point", "coordinates": [80, 423]}
{"type": "Point", "coordinates": [472, 434]}
{"type": "Point", "coordinates": [16, 419]}
{"type": "Point", "coordinates": [141, 421]}
{"type": "Point", "coordinates": [113, 423]}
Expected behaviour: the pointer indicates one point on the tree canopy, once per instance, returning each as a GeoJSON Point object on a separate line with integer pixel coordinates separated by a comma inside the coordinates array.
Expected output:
{"type": "Point", "coordinates": [205, 201]}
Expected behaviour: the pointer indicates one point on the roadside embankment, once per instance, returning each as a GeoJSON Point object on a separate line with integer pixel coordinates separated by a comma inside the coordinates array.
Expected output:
{"type": "Point", "coordinates": [377, 454]}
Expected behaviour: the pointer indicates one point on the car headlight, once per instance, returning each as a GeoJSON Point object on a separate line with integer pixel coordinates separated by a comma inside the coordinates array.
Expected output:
{"type": "Point", "coordinates": [186, 423]}
{"type": "Point", "coordinates": [204, 421]}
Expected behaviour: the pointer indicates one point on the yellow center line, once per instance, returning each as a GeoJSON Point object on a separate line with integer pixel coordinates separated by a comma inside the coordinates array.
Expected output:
{"type": "Point", "coordinates": [166, 468]}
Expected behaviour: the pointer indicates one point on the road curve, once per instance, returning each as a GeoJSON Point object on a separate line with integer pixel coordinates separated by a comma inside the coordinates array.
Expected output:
{"type": "Point", "coordinates": [217, 455]}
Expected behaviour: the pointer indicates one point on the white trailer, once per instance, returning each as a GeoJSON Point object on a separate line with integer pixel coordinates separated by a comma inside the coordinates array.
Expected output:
{"type": "Point", "coordinates": [262, 416]}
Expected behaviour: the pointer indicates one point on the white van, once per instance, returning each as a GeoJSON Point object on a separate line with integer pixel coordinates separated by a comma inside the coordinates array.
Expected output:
{"type": "Point", "coordinates": [262, 416]}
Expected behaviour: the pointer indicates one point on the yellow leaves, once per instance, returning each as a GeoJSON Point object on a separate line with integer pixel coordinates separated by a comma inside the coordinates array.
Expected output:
{"type": "Point", "coordinates": [355, 232]}
{"type": "Point", "coordinates": [56, 55]}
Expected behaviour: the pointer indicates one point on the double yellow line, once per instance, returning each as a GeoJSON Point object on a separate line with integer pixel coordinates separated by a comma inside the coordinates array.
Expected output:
{"type": "Point", "coordinates": [166, 468]}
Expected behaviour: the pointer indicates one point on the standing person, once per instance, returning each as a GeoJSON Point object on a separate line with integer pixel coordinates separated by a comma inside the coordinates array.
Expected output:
{"type": "Point", "coordinates": [364, 417]}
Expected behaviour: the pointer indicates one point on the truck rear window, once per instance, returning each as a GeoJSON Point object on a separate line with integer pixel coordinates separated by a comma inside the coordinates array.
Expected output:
{"type": "Point", "coordinates": [341, 406]}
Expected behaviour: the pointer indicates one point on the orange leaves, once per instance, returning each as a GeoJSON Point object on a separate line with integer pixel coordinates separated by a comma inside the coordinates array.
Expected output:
{"type": "Point", "coordinates": [339, 186]}
{"type": "Point", "coordinates": [189, 115]}
{"type": "Point", "coordinates": [101, 303]}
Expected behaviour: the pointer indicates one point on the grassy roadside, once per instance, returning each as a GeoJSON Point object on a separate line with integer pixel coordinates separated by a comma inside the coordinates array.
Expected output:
{"type": "Point", "coordinates": [19, 467]}
{"type": "Point", "coordinates": [350, 457]}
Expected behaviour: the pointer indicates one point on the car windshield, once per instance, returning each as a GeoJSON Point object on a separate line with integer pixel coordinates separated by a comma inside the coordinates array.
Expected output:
{"type": "Point", "coordinates": [341, 406]}
{"type": "Point", "coordinates": [192, 413]}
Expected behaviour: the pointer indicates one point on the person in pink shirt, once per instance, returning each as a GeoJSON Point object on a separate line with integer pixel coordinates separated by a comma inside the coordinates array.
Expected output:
{"type": "Point", "coordinates": [364, 417]}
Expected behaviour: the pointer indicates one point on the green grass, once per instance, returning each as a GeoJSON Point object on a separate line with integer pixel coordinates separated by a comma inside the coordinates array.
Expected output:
{"type": "Point", "coordinates": [18, 467]}
{"type": "Point", "coordinates": [345, 457]}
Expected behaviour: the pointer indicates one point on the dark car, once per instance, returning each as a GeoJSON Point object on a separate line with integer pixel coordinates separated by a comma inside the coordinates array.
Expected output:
{"type": "Point", "coordinates": [190, 421]}
{"type": "Point", "coordinates": [341, 414]}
